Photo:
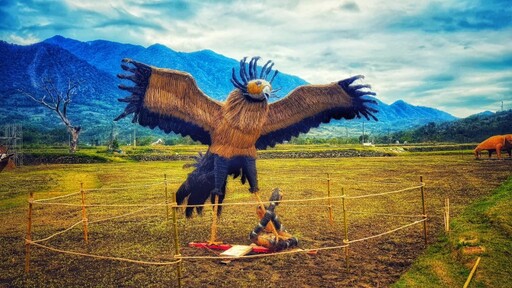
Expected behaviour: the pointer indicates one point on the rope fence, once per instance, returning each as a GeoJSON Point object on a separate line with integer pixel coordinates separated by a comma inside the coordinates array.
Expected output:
{"type": "Point", "coordinates": [387, 232]}
{"type": "Point", "coordinates": [56, 197]}
{"type": "Point", "coordinates": [124, 188]}
{"type": "Point", "coordinates": [171, 204]}
{"type": "Point", "coordinates": [102, 257]}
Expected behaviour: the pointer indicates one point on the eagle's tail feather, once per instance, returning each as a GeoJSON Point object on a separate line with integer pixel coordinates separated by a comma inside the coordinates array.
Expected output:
{"type": "Point", "coordinates": [199, 185]}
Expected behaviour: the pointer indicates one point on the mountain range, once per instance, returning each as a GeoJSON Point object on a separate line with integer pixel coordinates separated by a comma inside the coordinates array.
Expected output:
{"type": "Point", "coordinates": [475, 128]}
{"type": "Point", "coordinates": [95, 64]}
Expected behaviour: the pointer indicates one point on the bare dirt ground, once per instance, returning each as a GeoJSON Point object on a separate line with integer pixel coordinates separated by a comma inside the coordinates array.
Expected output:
{"type": "Point", "coordinates": [373, 263]}
{"type": "Point", "coordinates": [378, 262]}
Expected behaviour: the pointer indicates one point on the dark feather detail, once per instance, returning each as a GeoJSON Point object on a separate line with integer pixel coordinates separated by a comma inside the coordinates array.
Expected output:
{"type": "Point", "coordinates": [274, 76]}
{"type": "Point", "coordinates": [201, 181]}
{"type": "Point", "coordinates": [286, 134]}
{"type": "Point", "coordinates": [243, 74]}
{"type": "Point", "coordinates": [170, 124]}
{"type": "Point", "coordinates": [255, 67]}
{"type": "Point", "coordinates": [262, 73]}
{"type": "Point", "coordinates": [165, 119]}
{"type": "Point", "coordinates": [237, 83]}
{"type": "Point", "coordinates": [141, 80]}
{"type": "Point", "coordinates": [355, 105]}
{"type": "Point", "coordinates": [249, 71]}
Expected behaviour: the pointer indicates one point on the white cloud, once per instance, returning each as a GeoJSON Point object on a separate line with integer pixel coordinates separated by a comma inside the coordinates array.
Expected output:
{"type": "Point", "coordinates": [23, 40]}
{"type": "Point", "coordinates": [425, 52]}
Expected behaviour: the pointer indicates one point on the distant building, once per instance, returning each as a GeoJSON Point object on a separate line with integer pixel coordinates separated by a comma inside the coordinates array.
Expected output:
{"type": "Point", "coordinates": [158, 142]}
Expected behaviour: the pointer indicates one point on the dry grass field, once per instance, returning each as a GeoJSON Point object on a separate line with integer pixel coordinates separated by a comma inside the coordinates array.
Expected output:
{"type": "Point", "coordinates": [146, 233]}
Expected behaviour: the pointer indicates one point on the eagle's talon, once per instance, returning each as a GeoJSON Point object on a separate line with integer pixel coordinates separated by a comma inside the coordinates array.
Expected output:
{"type": "Point", "coordinates": [216, 192]}
{"type": "Point", "coordinates": [254, 189]}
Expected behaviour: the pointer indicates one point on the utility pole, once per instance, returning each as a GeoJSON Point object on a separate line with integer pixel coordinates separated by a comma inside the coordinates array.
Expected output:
{"type": "Point", "coordinates": [135, 136]}
{"type": "Point", "coordinates": [362, 142]}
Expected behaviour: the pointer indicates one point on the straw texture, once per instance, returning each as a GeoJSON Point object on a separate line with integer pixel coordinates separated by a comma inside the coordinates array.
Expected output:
{"type": "Point", "coordinates": [308, 106]}
{"type": "Point", "coordinates": [171, 100]}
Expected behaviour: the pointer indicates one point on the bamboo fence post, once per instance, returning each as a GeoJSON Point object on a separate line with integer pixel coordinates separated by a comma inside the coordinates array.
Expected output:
{"type": "Point", "coordinates": [447, 214]}
{"type": "Point", "coordinates": [84, 214]}
{"type": "Point", "coordinates": [176, 238]}
{"type": "Point", "coordinates": [345, 226]}
{"type": "Point", "coordinates": [424, 210]}
{"type": "Point", "coordinates": [28, 237]}
{"type": "Point", "coordinates": [331, 220]}
{"type": "Point", "coordinates": [213, 235]}
{"type": "Point", "coordinates": [466, 284]}
{"type": "Point", "coordinates": [166, 199]}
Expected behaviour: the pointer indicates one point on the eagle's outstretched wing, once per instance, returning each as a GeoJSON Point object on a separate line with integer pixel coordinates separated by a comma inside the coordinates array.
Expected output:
{"type": "Point", "coordinates": [170, 100]}
{"type": "Point", "coordinates": [309, 105]}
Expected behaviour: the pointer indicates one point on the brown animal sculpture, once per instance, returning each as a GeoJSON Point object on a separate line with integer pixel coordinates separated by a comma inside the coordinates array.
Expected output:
{"type": "Point", "coordinates": [495, 143]}
{"type": "Point", "coordinates": [508, 145]}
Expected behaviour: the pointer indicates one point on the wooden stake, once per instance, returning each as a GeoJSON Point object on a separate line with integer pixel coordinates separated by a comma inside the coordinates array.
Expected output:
{"type": "Point", "coordinates": [213, 234]}
{"type": "Point", "coordinates": [166, 199]}
{"type": "Point", "coordinates": [28, 237]}
{"type": "Point", "coordinates": [331, 219]}
{"type": "Point", "coordinates": [84, 214]}
{"type": "Point", "coordinates": [471, 273]}
{"type": "Point", "coordinates": [424, 210]}
{"type": "Point", "coordinates": [176, 238]}
{"type": "Point", "coordinates": [345, 226]}
{"type": "Point", "coordinates": [447, 214]}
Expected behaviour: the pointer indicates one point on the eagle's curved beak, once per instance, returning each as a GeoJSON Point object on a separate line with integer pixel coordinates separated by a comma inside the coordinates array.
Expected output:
{"type": "Point", "coordinates": [266, 91]}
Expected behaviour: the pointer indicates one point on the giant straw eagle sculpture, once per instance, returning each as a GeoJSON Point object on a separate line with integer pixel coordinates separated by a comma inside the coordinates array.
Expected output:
{"type": "Point", "coordinates": [234, 129]}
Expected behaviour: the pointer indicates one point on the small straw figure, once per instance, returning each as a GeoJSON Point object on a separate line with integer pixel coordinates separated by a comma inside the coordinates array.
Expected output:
{"type": "Point", "coordinates": [270, 233]}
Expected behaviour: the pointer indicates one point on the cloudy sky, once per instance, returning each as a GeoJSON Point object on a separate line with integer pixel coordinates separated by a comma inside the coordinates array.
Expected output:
{"type": "Point", "coordinates": [454, 55]}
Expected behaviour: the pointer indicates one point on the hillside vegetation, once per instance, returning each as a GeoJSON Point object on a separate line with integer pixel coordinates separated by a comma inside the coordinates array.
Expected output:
{"type": "Point", "coordinates": [475, 128]}
{"type": "Point", "coordinates": [96, 63]}
{"type": "Point", "coordinates": [484, 227]}
{"type": "Point", "coordinates": [101, 154]}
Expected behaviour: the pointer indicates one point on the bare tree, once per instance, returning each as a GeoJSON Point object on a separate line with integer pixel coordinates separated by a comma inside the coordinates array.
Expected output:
{"type": "Point", "coordinates": [58, 101]}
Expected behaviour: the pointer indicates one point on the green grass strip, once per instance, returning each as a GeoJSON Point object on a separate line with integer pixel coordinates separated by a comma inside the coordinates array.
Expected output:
{"type": "Point", "coordinates": [485, 225]}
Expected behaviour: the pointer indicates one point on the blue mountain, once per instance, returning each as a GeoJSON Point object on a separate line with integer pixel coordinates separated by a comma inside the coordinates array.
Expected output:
{"type": "Point", "coordinates": [95, 64]}
{"type": "Point", "coordinates": [212, 71]}
{"type": "Point", "coordinates": [416, 115]}
{"type": "Point", "coordinates": [25, 70]}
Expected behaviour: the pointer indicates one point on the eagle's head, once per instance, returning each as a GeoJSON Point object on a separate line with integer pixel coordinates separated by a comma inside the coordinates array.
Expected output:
{"type": "Point", "coordinates": [254, 85]}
